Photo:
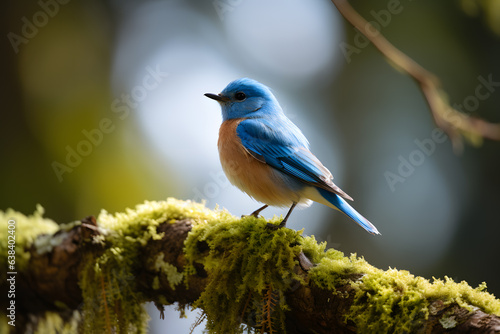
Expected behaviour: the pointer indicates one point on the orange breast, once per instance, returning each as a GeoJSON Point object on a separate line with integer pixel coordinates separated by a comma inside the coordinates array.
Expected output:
{"type": "Point", "coordinates": [256, 178]}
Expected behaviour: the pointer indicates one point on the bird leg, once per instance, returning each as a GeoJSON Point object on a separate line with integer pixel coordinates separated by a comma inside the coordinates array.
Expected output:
{"type": "Point", "coordinates": [283, 222]}
{"type": "Point", "coordinates": [256, 212]}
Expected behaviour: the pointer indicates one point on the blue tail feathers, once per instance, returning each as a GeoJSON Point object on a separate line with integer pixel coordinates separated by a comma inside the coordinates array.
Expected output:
{"type": "Point", "coordinates": [348, 210]}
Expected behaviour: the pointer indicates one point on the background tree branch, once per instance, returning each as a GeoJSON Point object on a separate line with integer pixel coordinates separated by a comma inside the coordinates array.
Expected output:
{"type": "Point", "coordinates": [455, 123]}
{"type": "Point", "coordinates": [172, 252]}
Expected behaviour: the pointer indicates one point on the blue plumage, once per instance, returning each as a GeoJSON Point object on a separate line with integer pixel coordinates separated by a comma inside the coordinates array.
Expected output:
{"type": "Point", "coordinates": [282, 146]}
{"type": "Point", "coordinates": [348, 210]}
{"type": "Point", "coordinates": [263, 132]}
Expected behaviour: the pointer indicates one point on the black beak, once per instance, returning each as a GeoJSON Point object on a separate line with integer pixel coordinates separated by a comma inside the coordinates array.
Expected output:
{"type": "Point", "coordinates": [217, 97]}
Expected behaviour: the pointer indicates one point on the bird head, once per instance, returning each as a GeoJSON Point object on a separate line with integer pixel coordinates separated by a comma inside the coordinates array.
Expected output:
{"type": "Point", "coordinates": [246, 98]}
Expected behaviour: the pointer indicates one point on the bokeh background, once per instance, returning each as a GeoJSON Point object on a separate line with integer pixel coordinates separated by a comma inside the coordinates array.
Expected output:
{"type": "Point", "coordinates": [103, 107]}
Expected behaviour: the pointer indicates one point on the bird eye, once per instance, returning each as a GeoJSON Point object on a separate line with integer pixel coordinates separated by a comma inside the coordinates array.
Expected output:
{"type": "Point", "coordinates": [240, 96]}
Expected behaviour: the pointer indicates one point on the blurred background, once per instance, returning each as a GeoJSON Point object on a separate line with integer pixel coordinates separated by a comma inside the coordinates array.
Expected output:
{"type": "Point", "coordinates": [103, 107]}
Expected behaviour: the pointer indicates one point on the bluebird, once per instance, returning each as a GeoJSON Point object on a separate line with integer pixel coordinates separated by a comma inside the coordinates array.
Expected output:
{"type": "Point", "coordinates": [266, 156]}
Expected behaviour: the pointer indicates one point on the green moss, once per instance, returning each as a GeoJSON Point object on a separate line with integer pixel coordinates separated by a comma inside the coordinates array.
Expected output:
{"type": "Point", "coordinates": [394, 300]}
{"type": "Point", "coordinates": [333, 268]}
{"type": "Point", "coordinates": [27, 228]}
{"type": "Point", "coordinates": [52, 323]}
{"type": "Point", "coordinates": [250, 267]}
{"type": "Point", "coordinates": [111, 300]}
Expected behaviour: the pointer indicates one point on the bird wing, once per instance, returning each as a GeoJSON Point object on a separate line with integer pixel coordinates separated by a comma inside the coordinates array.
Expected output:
{"type": "Point", "coordinates": [281, 145]}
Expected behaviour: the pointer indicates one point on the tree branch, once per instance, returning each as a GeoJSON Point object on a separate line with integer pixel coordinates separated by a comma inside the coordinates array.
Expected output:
{"type": "Point", "coordinates": [449, 119]}
{"type": "Point", "coordinates": [179, 252]}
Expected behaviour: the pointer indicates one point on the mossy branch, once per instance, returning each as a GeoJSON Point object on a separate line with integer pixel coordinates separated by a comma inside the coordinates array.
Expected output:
{"type": "Point", "coordinates": [95, 275]}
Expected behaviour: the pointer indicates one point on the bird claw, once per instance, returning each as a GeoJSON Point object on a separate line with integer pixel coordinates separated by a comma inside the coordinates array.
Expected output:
{"type": "Point", "coordinates": [276, 227]}
{"type": "Point", "coordinates": [273, 227]}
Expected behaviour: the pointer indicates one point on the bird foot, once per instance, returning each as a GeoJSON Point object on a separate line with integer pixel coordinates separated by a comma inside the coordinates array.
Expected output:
{"type": "Point", "coordinates": [276, 227]}
{"type": "Point", "coordinates": [273, 227]}
{"type": "Point", "coordinates": [283, 222]}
